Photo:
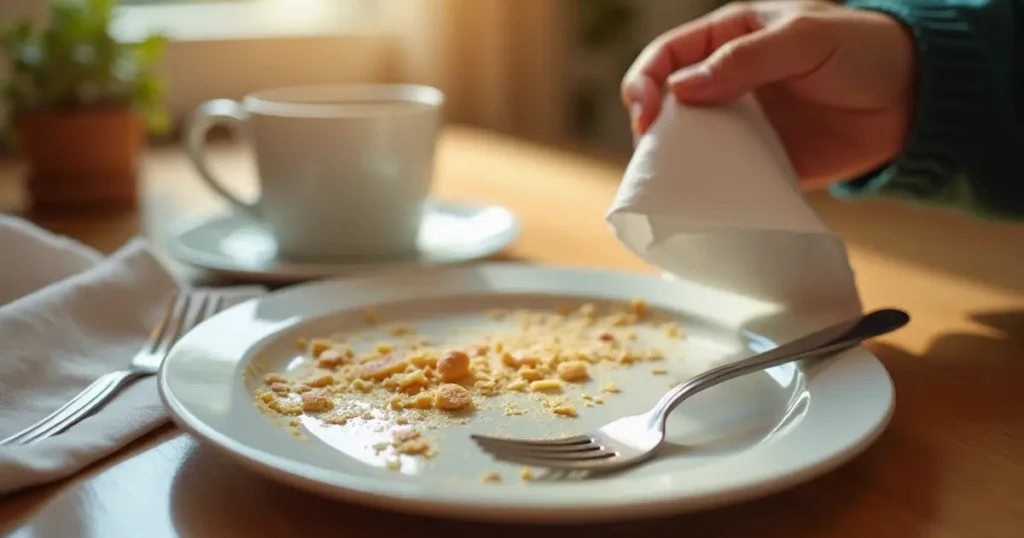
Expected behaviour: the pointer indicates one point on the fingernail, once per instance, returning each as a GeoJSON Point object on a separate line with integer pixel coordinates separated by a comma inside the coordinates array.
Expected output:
{"type": "Point", "coordinates": [691, 80]}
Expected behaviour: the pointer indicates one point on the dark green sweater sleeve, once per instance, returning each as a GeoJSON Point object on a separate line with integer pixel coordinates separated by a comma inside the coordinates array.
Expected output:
{"type": "Point", "coordinates": [965, 149]}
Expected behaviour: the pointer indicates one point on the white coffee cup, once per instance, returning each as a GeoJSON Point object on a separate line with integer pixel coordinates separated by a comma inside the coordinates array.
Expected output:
{"type": "Point", "coordinates": [344, 170]}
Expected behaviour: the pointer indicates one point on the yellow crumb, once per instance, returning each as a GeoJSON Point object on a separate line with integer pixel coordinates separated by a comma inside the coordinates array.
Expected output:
{"type": "Point", "coordinates": [396, 402]}
{"type": "Point", "coordinates": [530, 374]}
{"type": "Point", "coordinates": [611, 388]}
{"type": "Point", "coordinates": [639, 306]}
{"type": "Point", "coordinates": [322, 381]}
{"type": "Point", "coordinates": [492, 478]}
{"type": "Point", "coordinates": [546, 385]}
{"type": "Point", "coordinates": [401, 420]}
{"type": "Point", "coordinates": [526, 474]}
{"type": "Point", "coordinates": [659, 371]}
{"type": "Point", "coordinates": [369, 316]}
{"type": "Point", "coordinates": [519, 384]}
{"type": "Point", "coordinates": [318, 346]}
{"type": "Point", "coordinates": [451, 396]}
{"type": "Point", "coordinates": [316, 401]}
{"type": "Point", "coordinates": [599, 400]}
{"type": "Point", "coordinates": [423, 400]}
{"type": "Point", "coordinates": [573, 370]}
{"type": "Point", "coordinates": [267, 397]}
{"type": "Point", "coordinates": [302, 343]}
{"type": "Point", "coordinates": [274, 378]}
{"type": "Point", "coordinates": [454, 365]}
{"type": "Point", "coordinates": [384, 348]}
{"type": "Point", "coordinates": [565, 410]}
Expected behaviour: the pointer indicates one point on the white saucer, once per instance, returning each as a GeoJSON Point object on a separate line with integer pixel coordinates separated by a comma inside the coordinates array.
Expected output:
{"type": "Point", "coordinates": [234, 245]}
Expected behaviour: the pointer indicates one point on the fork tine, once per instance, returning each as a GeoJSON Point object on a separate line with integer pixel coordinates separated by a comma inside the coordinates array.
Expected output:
{"type": "Point", "coordinates": [171, 326]}
{"type": "Point", "coordinates": [592, 455]}
{"type": "Point", "coordinates": [542, 449]}
{"type": "Point", "coordinates": [569, 465]}
{"type": "Point", "coordinates": [574, 440]}
{"type": "Point", "coordinates": [212, 306]}
{"type": "Point", "coordinates": [194, 308]}
{"type": "Point", "coordinates": [174, 305]}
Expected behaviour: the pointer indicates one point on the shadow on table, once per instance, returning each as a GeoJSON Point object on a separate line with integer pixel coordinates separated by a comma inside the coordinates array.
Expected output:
{"type": "Point", "coordinates": [955, 396]}
{"type": "Point", "coordinates": [924, 236]}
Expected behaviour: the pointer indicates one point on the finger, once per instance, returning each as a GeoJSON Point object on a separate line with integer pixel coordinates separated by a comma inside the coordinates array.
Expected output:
{"type": "Point", "coordinates": [789, 50]}
{"type": "Point", "coordinates": [643, 83]}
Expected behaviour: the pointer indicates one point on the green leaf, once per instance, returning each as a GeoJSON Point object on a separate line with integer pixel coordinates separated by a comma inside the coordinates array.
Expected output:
{"type": "Point", "coordinates": [151, 50]}
{"type": "Point", "coordinates": [75, 62]}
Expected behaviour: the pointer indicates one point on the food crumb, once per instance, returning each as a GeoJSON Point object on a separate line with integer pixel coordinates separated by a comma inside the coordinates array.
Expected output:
{"type": "Point", "coordinates": [659, 371]}
{"type": "Point", "coordinates": [565, 410]}
{"type": "Point", "coordinates": [611, 388]}
{"type": "Point", "coordinates": [546, 385]}
{"type": "Point", "coordinates": [370, 316]}
{"type": "Point", "coordinates": [492, 478]}
{"type": "Point", "coordinates": [526, 474]}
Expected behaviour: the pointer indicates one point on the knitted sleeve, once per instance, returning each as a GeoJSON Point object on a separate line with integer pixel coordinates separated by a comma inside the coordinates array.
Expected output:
{"type": "Point", "coordinates": [965, 149]}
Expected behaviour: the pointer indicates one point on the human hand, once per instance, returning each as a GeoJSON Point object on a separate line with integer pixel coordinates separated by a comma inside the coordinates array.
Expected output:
{"type": "Point", "coordinates": [836, 83]}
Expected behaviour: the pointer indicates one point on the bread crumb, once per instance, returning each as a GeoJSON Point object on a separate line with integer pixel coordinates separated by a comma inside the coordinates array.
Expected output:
{"type": "Point", "coordinates": [565, 410]}
{"type": "Point", "coordinates": [573, 371]}
{"type": "Point", "coordinates": [519, 385]}
{"type": "Point", "coordinates": [639, 307]}
{"type": "Point", "coordinates": [492, 478]}
{"type": "Point", "coordinates": [318, 346]}
{"type": "Point", "coordinates": [453, 365]}
{"type": "Point", "coordinates": [659, 371]}
{"type": "Point", "coordinates": [599, 400]}
{"type": "Point", "coordinates": [384, 348]}
{"type": "Point", "coordinates": [369, 316]}
{"type": "Point", "coordinates": [451, 396]}
{"type": "Point", "coordinates": [546, 385]}
{"type": "Point", "coordinates": [271, 379]}
{"type": "Point", "coordinates": [322, 381]}
{"type": "Point", "coordinates": [530, 374]}
{"type": "Point", "coordinates": [611, 388]}
{"type": "Point", "coordinates": [526, 474]}
{"type": "Point", "coordinates": [316, 401]}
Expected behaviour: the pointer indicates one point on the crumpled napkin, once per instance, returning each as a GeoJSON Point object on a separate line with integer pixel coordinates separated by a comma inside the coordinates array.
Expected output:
{"type": "Point", "coordinates": [68, 316]}
{"type": "Point", "coordinates": [711, 197]}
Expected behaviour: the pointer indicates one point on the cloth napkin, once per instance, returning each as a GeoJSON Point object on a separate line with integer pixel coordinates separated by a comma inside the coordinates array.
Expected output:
{"type": "Point", "coordinates": [711, 197]}
{"type": "Point", "coordinates": [68, 316]}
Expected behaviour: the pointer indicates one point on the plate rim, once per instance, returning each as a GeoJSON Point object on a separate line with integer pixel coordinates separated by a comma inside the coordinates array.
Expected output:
{"type": "Point", "coordinates": [302, 271]}
{"type": "Point", "coordinates": [365, 491]}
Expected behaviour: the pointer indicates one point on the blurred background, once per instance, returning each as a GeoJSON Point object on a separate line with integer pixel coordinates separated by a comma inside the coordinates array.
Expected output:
{"type": "Point", "coordinates": [546, 70]}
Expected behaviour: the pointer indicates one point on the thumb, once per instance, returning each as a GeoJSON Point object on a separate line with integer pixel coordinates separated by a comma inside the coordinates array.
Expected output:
{"type": "Point", "coordinates": [788, 50]}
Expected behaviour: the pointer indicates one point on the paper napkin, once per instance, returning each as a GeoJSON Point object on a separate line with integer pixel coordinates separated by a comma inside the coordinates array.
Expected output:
{"type": "Point", "coordinates": [67, 316]}
{"type": "Point", "coordinates": [711, 197]}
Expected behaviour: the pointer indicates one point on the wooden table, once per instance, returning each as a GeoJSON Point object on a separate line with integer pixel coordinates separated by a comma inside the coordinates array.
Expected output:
{"type": "Point", "coordinates": [950, 465]}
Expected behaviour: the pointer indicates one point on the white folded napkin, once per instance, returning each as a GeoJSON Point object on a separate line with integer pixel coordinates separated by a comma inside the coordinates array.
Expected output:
{"type": "Point", "coordinates": [68, 316]}
{"type": "Point", "coordinates": [710, 196]}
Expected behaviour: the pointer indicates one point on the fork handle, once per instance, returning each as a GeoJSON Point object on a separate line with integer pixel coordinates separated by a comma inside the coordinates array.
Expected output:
{"type": "Point", "coordinates": [92, 397]}
{"type": "Point", "coordinates": [819, 344]}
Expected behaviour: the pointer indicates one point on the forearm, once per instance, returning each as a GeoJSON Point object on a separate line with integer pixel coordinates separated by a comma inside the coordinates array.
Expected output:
{"type": "Point", "coordinates": [965, 146]}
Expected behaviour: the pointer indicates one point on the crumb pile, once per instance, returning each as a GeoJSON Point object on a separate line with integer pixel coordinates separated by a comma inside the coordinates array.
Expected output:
{"type": "Point", "coordinates": [524, 351]}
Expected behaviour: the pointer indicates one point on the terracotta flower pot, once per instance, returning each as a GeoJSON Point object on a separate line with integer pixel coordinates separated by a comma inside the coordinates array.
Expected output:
{"type": "Point", "coordinates": [85, 159]}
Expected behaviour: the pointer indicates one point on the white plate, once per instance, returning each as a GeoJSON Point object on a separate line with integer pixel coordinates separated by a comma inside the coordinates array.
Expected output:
{"type": "Point", "coordinates": [234, 245]}
{"type": "Point", "coordinates": [743, 439]}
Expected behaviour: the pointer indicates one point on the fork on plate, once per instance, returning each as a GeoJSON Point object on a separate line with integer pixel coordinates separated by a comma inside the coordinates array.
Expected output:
{"type": "Point", "coordinates": [632, 440]}
{"type": "Point", "coordinates": [185, 310]}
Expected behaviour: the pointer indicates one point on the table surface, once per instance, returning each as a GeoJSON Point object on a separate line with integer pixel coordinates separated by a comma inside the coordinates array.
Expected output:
{"type": "Point", "coordinates": [950, 464]}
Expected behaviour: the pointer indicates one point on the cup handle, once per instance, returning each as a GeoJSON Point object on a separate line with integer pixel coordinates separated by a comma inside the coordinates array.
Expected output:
{"type": "Point", "coordinates": [209, 115]}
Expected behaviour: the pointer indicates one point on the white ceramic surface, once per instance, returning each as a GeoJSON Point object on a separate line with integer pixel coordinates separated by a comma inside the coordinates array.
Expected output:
{"type": "Point", "coordinates": [344, 170]}
{"type": "Point", "coordinates": [744, 439]}
{"type": "Point", "coordinates": [231, 244]}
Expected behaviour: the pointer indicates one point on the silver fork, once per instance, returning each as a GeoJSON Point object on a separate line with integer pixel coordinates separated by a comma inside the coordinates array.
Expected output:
{"type": "Point", "coordinates": [184, 311]}
{"type": "Point", "coordinates": [632, 440]}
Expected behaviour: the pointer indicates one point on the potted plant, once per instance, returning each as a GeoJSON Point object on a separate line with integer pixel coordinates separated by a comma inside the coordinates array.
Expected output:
{"type": "Point", "coordinates": [79, 104]}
